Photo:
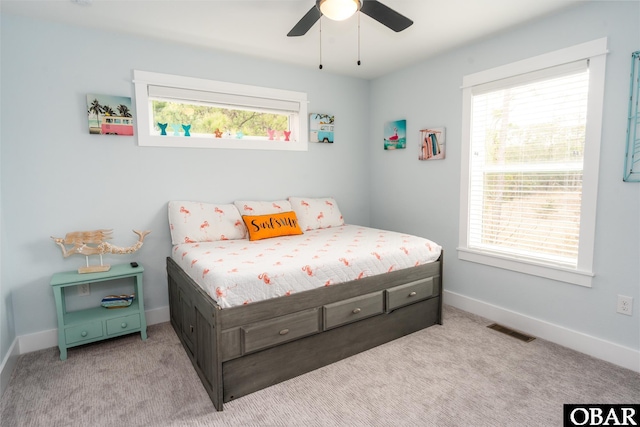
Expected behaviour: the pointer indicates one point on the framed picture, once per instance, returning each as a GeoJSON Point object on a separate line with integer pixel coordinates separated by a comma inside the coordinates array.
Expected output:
{"type": "Point", "coordinates": [109, 115]}
{"type": "Point", "coordinates": [395, 135]}
{"type": "Point", "coordinates": [321, 127]}
{"type": "Point", "coordinates": [632, 155]}
{"type": "Point", "coordinates": [432, 144]}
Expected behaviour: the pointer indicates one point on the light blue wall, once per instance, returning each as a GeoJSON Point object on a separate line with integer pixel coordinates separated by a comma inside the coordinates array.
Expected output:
{"type": "Point", "coordinates": [429, 95]}
{"type": "Point", "coordinates": [57, 178]}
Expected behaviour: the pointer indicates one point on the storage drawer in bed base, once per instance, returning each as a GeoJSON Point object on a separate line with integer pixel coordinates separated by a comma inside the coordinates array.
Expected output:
{"type": "Point", "coordinates": [352, 310]}
{"type": "Point", "coordinates": [256, 371]}
{"type": "Point", "coordinates": [279, 330]}
{"type": "Point", "coordinates": [246, 339]}
{"type": "Point", "coordinates": [402, 295]}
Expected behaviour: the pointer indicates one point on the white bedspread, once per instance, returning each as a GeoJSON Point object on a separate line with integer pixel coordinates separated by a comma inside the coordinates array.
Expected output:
{"type": "Point", "coordinates": [236, 272]}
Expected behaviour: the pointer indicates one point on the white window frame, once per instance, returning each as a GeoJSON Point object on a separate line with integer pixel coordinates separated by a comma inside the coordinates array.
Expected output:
{"type": "Point", "coordinates": [143, 80]}
{"type": "Point", "coordinates": [595, 51]}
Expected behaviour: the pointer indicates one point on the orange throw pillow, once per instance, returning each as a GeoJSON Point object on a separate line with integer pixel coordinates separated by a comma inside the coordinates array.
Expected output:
{"type": "Point", "coordinates": [272, 225]}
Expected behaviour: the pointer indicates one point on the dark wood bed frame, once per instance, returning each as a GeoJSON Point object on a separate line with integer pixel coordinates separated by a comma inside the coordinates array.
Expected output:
{"type": "Point", "coordinates": [239, 350]}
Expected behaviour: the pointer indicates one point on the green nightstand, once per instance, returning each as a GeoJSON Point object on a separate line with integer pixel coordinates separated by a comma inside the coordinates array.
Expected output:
{"type": "Point", "coordinates": [98, 323]}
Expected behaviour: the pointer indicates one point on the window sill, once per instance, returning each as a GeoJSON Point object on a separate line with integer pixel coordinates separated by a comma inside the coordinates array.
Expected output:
{"type": "Point", "coordinates": [234, 143]}
{"type": "Point", "coordinates": [576, 277]}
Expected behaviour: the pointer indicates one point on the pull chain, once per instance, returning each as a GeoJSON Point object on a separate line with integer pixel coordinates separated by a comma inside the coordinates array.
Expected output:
{"type": "Point", "coordinates": [358, 38]}
{"type": "Point", "coordinates": [320, 43]}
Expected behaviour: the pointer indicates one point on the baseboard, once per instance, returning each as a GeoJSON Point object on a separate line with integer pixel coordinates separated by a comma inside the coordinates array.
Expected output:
{"type": "Point", "coordinates": [614, 353]}
{"type": "Point", "coordinates": [45, 339]}
{"type": "Point", "coordinates": [9, 362]}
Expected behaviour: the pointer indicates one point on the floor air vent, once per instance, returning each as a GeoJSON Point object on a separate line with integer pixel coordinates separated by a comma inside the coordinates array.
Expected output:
{"type": "Point", "coordinates": [511, 332]}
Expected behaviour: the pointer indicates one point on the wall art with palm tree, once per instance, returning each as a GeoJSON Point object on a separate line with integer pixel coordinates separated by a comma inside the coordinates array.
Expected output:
{"type": "Point", "coordinates": [109, 115]}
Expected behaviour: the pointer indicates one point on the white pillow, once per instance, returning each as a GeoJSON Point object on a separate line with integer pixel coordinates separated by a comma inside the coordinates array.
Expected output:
{"type": "Point", "coordinates": [204, 222]}
{"type": "Point", "coordinates": [315, 213]}
{"type": "Point", "coordinates": [253, 207]}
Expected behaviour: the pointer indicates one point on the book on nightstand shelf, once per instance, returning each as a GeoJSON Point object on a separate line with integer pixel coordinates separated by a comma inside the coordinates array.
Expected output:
{"type": "Point", "coordinates": [117, 301]}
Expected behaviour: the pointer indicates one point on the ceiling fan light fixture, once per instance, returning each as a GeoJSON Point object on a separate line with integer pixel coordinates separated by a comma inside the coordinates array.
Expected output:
{"type": "Point", "coordinates": [338, 10]}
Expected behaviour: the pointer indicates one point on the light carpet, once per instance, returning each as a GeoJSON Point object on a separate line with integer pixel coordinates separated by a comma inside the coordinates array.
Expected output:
{"type": "Point", "coordinates": [460, 373]}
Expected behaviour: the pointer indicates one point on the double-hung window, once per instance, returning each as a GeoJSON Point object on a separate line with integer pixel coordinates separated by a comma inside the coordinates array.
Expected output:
{"type": "Point", "coordinates": [176, 111]}
{"type": "Point", "coordinates": [531, 144]}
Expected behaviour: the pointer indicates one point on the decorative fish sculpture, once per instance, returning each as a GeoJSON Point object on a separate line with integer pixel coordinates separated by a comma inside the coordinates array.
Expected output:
{"type": "Point", "coordinates": [94, 243]}
{"type": "Point", "coordinates": [81, 240]}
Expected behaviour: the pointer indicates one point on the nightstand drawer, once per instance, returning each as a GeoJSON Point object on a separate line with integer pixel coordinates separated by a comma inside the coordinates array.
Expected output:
{"type": "Point", "coordinates": [342, 312]}
{"type": "Point", "coordinates": [409, 293]}
{"type": "Point", "coordinates": [123, 324]}
{"type": "Point", "coordinates": [83, 332]}
{"type": "Point", "coordinates": [282, 329]}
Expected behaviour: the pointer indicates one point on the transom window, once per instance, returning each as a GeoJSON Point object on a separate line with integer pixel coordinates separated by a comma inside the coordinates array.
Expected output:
{"type": "Point", "coordinates": [188, 112]}
{"type": "Point", "coordinates": [532, 139]}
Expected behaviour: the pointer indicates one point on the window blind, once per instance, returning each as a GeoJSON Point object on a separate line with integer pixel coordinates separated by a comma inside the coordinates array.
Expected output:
{"type": "Point", "coordinates": [527, 158]}
{"type": "Point", "coordinates": [223, 99]}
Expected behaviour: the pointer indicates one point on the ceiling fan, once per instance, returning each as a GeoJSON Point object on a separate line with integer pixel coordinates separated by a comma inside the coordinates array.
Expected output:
{"type": "Point", "coordinates": [339, 10]}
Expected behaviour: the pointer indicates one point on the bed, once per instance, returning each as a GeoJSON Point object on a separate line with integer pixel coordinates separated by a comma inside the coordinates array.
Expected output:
{"type": "Point", "coordinates": [261, 292]}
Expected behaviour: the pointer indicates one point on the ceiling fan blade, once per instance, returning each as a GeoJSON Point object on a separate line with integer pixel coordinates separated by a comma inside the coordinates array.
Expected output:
{"type": "Point", "coordinates": [305, 24]}
{"type": "Point", "coordinates": [385, 15]}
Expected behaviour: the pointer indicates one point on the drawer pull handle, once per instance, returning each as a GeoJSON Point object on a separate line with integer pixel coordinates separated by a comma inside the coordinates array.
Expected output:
{"type": "Point", "coordinates": [123, 325]}
{"type": "Point", "coordinates": [84, 333]}
{"type": "Point", "coordinates": [356, 310]}
{"type": "Point", "coordinates": [284, 332]}
{"type": "Point", "coordinates": [413, 294]}
{"type": "Point", "coordinates": [191, 328]}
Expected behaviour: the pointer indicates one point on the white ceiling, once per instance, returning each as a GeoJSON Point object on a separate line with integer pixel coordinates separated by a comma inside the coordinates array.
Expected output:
{"type": "Point", "coordinates": [259, 27]}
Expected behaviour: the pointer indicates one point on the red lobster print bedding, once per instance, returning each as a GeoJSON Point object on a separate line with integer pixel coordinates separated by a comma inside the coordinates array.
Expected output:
{"type": "Point", "coordinates": [236, 272]}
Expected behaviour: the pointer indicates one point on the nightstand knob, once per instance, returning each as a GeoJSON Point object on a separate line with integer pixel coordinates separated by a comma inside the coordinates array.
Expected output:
{"type": "Point", "coordinates": [284, 332]}
{"type": "Point", "coordinates": [84, 333]}
{"type": "Point", "coordinates": [123, 325]}
{"type": "Point", "coordinates": [356, 310]}
{"type": "Point", "coordinates": [412, 294]}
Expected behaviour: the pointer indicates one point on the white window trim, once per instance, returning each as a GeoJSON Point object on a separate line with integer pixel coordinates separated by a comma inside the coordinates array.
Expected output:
{"type": "Point", "coordinates": [143, 79]}
{"type": "Point", "coordinates": [583, 274]}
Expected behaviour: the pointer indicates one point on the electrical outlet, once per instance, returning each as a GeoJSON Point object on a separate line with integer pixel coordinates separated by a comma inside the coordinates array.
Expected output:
{"type": "Point", "coordinates": [84, 290]}
{"type": "Point", "coordinates": [625, 305]}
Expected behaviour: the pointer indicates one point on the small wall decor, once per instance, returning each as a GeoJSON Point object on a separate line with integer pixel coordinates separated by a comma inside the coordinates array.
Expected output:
{"type": "Point", "coordinates": [321, 127]}
{"type": "Point", "coordinates": [395, 135]}
{"type": "Point", "coordinates": [163, 128]}
{"type": "Point", "coordinates": [109, 115]}
{"type": "Point", "coordinates": [432, 144]}
{"type": "Point", "coordinates": [80, 242]}
{"type": "Point", "coordinates": [632, 155]}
